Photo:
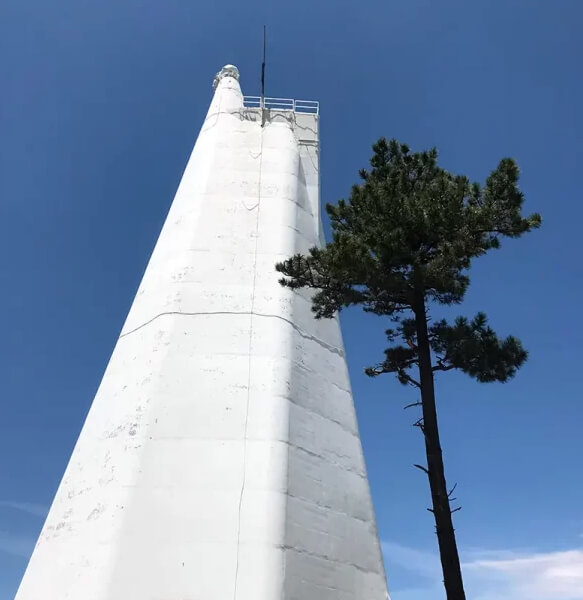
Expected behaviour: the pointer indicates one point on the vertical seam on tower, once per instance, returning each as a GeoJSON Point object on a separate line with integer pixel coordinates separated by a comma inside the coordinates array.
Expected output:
{"type": "Point", "coordinates": [258, 205]}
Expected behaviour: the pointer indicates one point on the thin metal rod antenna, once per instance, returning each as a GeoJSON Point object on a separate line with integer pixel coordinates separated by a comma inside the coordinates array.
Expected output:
{"type": "Point", "coordinates": [263, 70]}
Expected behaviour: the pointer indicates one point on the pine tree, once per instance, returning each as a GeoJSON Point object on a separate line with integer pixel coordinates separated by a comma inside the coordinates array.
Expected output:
{"type": "Point", "coordinates": [405, 239]}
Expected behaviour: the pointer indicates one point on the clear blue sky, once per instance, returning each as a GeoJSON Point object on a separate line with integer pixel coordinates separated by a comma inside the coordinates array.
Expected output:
{"type": "Point", "coordinates": [100, 105]}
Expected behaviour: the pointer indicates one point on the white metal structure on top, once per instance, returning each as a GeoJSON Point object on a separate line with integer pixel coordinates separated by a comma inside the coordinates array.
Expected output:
{"type": "Point", "coordinates": [301, 106]}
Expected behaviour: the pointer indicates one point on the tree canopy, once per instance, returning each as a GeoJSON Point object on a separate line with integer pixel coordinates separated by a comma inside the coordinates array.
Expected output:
{"type": "Point", "coordinates": [408, 234]}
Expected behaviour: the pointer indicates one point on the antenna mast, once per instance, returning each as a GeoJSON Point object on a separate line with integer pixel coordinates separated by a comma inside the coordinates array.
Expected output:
{"type": "Point", "coordinates": [263, 71]}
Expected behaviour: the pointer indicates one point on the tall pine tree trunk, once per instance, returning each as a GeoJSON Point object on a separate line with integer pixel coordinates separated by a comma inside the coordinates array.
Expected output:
{"type": "Point", "coordinates": [450, 562]}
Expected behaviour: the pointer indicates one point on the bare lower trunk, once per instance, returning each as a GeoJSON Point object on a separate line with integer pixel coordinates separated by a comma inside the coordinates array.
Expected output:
{"type": "Point", "coordinates": [450, 562]}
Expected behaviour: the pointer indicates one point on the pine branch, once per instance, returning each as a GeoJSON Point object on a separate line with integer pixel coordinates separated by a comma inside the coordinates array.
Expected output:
{"type": "Point", "coordinates": [403, 376]}
{"type": "Point", "coordinates": [440, 366]}
{"type": "Point", "coordinates": [420, 425]}
{"type": "Point", "coordinates": [411, 405]}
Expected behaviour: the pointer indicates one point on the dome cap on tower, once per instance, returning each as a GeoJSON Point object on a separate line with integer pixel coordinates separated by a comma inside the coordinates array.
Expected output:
{"type": "Point", "coordinates": [226, 71]}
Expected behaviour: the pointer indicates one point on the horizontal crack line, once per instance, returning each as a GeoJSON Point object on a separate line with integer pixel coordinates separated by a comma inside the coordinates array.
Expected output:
{"type": "Point", "coordinates": [326, 558]}
{"type": "Point", "coordinates": [302, 333]}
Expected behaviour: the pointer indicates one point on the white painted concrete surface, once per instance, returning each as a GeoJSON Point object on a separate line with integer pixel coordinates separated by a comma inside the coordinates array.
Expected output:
{"type": "Point", "coordinates": [221, 459]}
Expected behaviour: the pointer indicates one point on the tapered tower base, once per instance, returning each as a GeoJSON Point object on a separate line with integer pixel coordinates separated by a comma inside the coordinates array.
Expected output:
{"type": "Point", "coordinates": [221, 459]}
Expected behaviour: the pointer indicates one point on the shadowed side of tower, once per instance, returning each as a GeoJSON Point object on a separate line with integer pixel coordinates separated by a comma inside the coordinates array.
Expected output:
{"type": "Point", "coordinates": [221, 458]}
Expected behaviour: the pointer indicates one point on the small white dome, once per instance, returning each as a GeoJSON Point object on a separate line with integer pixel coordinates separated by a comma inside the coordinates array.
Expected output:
{"type": "Point", "coordinates": [226, 71]}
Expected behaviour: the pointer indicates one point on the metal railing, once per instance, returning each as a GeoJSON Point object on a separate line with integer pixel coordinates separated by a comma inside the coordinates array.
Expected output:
{"type": "Point", "coordinates": [311, 107]}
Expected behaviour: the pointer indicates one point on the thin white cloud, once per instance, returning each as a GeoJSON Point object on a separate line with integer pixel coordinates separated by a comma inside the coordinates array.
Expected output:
{"type": "Point", "coordinates": [17, 545]}
{"type": "Point", "coordinates": [557, 575]}
{"type": "Point", "coordinates": [494, 575]}
{"type": "Point", "coordinates": [38, 510]}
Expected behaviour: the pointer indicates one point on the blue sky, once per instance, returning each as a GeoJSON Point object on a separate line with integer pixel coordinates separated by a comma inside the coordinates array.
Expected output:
{"type": "Point", "coordinates": [100, 105]}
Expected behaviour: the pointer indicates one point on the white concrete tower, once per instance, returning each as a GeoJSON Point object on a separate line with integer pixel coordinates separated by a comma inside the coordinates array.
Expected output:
{"type": "Point", "coordinates": [220, 459]}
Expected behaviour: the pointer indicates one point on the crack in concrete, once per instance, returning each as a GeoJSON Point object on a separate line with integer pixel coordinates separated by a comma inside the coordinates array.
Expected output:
{"type": "Point", "coordinates": [328, 559]}
{"type": "Point", "coordinates": [327, 459]}
{"type": "Point", "coordinates": [303, 127]}
{"type": "Point", "coordinates": [312, 411]}
{"type": "Point", "coordinates": [328, 508]}
{"type": "Point", "coordinates": [302, 333]}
